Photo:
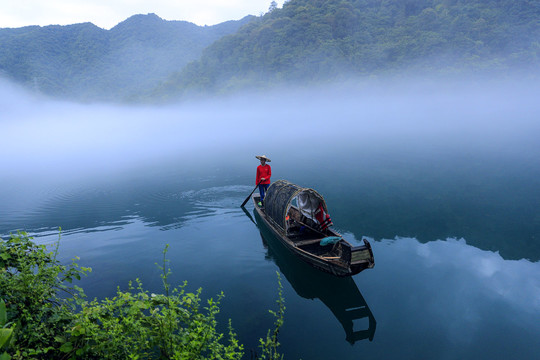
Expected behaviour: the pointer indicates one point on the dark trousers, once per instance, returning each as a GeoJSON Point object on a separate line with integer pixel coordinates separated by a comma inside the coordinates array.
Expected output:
{"type": "Point", "coordinates": [262, 190]}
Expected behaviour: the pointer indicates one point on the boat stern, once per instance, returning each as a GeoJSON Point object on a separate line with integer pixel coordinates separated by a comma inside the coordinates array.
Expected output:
{"type": "Point", "coordinates": [359, 257]}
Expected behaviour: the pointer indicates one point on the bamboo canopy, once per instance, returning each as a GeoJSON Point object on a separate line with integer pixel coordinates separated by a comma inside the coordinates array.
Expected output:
{"type": "Point", "coordinates": [281, 195]}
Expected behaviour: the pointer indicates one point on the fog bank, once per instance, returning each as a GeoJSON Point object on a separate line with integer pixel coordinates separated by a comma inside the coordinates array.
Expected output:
{"type": "Point", "coordinates": [48, 138]}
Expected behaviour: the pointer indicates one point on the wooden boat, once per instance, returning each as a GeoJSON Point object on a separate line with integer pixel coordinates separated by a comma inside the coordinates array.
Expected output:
{"type": "Point", "coordinates": [297, 217]}
{"type": "Point", "coordinates": [340, 295]}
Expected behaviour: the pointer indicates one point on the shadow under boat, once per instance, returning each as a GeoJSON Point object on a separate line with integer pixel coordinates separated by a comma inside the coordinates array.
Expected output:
{"type": "Point", "coordinates": [340, 294]}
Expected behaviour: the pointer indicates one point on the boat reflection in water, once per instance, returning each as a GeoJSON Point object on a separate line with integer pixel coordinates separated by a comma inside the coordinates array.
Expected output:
{"type": "Point", "coordinates": [340, 294]}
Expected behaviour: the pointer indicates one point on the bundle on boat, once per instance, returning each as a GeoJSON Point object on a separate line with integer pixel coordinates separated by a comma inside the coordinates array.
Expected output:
{"type": "Point", "coordinates": [299, 218]}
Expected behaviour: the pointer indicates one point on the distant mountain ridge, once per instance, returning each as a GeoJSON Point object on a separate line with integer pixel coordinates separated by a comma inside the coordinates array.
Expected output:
{"type": "Point", "coordinates": [305, 42]}
{"type": "Point", "coordinates": [311, 41]}
{"type": "Point", "coordinates": [83, 61]}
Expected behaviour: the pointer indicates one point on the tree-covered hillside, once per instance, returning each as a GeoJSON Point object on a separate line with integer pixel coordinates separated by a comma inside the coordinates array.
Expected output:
{"type": "Point", "coordinates": [83, 61]}
{"type": "Point", "coordinates": [314, 40]}
{"type": "Point", "coordinates": [305, 42]}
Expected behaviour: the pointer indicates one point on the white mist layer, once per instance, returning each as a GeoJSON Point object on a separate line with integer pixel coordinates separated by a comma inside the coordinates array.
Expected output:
{"type": "Point", "coordinates": [48, 138]}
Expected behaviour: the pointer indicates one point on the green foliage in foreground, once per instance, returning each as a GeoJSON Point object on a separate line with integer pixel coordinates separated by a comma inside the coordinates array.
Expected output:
{"type": "Point", "coordinates": [53, 320]}
{"type": "Point", "coordinates": [269, 346]}
{"type": "Point", "coordinates": [5, 331]}
{"type": "Point", "coordinates": [38, 294]}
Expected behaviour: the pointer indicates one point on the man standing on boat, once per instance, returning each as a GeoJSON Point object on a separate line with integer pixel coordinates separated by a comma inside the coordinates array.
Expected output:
{"type": "Point", "coordinates": [264, 172]}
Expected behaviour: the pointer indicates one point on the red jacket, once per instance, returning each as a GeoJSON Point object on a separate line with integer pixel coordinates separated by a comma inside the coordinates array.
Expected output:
{"type": "Point", "coordinates": [263, 172]}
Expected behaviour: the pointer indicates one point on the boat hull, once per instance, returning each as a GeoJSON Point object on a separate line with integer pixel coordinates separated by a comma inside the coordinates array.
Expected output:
{"type": "Point", "coordinates": [341, 266]}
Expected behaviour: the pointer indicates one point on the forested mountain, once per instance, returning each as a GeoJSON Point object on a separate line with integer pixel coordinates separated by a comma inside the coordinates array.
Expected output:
{"type": "Point", "coordinates": [83, 61]}
{"type": "Point", "coordinates": [312, 40]}
{"type": "Point", "coordinates": [305, 42]}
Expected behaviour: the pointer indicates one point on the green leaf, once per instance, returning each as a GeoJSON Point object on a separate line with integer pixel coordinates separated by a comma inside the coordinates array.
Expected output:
{"type": "Point", "coordinates": [3, 313]}
{"type": "Point", "coordinates": [66, 347]}
{"type": "Point", "coordinates": [5, 334]}
{"type": "Point", "coordinates": [60, 339]}
{"type": "Point", "coordinates": [5, 356]}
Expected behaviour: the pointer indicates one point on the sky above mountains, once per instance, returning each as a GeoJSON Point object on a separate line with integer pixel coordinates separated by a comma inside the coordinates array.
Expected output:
{"type": "Point", "coordinates": [107, 13]}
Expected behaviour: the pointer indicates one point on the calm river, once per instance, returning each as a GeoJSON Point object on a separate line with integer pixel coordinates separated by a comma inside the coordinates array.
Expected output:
{"type": "Point", "coordinates": [445, 184]}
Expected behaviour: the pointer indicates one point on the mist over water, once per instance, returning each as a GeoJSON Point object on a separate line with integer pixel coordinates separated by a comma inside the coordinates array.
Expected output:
{"type": "Point", "coordinates": [415, 131]}
{"type": "Point", "coordinates": [497, 119]}
{"type": "Point", "coordinates": [454, 139]}
{"type": "Point", "coordinates": [443, 178]}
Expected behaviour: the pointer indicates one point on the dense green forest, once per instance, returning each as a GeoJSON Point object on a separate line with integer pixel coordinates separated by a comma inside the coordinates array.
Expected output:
{"type": "Point", "coordinates": [318, 40]}
{"type": "Point", "coordinates": [86, 62]}
{"type": "Point", "coordinates": [304, 42]}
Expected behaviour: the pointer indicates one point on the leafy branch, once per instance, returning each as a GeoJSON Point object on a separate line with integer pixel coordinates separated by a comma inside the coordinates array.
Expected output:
{"type": "Point", "coordinates": [37, 323]}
